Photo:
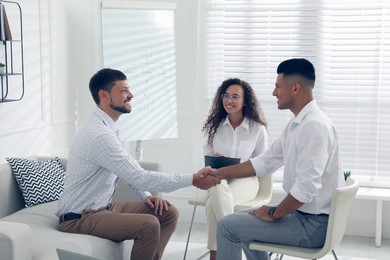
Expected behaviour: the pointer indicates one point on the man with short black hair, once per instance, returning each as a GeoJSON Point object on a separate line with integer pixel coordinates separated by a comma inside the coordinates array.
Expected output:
{"type": "Point", "coordinates": [309, 151]}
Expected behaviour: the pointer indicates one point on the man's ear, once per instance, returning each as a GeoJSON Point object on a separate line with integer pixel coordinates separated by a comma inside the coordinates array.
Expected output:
{"type": "Point", "coordinates": [297, 87]}
{"type": "Point", "coordinates": [103, 95]}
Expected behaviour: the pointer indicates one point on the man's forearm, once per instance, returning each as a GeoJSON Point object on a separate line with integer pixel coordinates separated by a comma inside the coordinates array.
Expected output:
{"type": "Point", "coordinates": [241, 170]}
{"type": "Point", "coordinates": [287, 205]}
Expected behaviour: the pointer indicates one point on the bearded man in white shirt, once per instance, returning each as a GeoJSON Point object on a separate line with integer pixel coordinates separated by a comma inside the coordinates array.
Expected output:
{"type": "Point", "coordinates": [97, 160]}
{"type": "Point", "coordinates": [309, 151]}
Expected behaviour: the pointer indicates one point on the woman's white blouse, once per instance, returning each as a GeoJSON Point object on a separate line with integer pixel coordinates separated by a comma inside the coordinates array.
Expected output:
{"type": "Point", "coordinates": [241, 142]}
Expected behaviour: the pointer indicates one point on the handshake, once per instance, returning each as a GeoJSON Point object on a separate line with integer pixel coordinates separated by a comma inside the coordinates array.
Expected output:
{"type": "Point", "coordinates": [206, 178]}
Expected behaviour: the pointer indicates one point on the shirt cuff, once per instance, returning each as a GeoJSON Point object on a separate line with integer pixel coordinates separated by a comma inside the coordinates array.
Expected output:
{"type": "Point", "coordinates": [300, 195]}
{"type": "Point", "coordinates": [187, 180]}
{"type": "Point", "coordinates": [256, 164]}
{"type": "Point", "coordinates": [145, 195]}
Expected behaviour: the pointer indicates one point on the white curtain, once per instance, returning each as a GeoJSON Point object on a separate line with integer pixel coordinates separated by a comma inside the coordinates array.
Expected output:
{"type": "Point", "coordinates": [348, 43]}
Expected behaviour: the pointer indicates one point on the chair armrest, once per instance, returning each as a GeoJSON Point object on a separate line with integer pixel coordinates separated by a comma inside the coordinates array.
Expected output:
{"type": "Point", "coordinates": [15, 241]}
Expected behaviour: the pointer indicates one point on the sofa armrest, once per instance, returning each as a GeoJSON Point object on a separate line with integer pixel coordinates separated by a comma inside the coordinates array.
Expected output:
{"type": "Point", "coordinates": [15, 241]}
{"type": "Point", "coordinates": [11, 198]}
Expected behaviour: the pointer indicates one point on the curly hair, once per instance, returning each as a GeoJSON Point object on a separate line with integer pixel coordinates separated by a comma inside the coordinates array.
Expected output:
{"type": "Point", "coordinates": [252, 110]}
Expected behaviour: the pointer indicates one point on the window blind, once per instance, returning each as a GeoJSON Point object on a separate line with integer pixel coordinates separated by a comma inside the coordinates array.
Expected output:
{"type": "Point", "coordinates": [347, 41]}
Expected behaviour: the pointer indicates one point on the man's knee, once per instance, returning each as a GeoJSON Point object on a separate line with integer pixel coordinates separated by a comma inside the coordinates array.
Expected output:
{"type": "Point", "coordinates": [223, 224]}
{"type": "Point", "coordinates": [149, 228]}
{"type": "Point", "coordinates": [172, 214]}
{"type": "Point", "coordinates": [151, 221]}
{"type": "Point", "coordinates": [174, 211]}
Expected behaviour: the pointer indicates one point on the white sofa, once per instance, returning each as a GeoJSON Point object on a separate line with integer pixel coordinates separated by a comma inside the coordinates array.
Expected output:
{"type": "Point", "coordinates": [32, 233]}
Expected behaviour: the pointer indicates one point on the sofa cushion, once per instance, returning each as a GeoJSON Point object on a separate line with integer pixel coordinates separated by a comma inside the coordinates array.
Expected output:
{"type": "Point", "coordinates": [46, 238]}
{"type": "Point", "coordinates": [39, 181]}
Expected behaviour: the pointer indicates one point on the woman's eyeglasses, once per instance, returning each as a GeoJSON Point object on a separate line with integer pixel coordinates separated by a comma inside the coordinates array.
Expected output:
{"type": "Point", "coordinates": [233, 97]}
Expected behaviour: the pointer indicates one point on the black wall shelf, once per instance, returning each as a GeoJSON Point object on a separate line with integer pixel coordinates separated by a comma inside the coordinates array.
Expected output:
{"type": "Point", "coordinates": [12, 78]}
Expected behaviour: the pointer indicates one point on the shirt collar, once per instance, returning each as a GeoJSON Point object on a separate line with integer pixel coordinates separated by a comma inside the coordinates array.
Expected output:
{"type": "Point", "coordinates": [107, 120]}
{"type": "Point", "coordinates": [312, 105]}
{"type": "Point", "coordinates": [244, 123]}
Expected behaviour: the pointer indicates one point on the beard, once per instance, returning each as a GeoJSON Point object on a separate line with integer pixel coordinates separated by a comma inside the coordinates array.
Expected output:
{"type": "Point", "coordinates": [123, 109]}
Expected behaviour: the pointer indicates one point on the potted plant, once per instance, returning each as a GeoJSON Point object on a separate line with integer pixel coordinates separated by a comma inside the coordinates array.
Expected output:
{"type": "Point", "coordinates": [2, 68]}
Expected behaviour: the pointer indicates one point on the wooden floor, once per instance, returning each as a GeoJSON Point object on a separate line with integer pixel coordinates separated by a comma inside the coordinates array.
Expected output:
{"type": "Point", "coordinates": [350, 248]}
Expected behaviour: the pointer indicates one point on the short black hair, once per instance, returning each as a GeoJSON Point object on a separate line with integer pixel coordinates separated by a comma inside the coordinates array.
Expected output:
{"type": "Point", "coordinates": [104, 79]}
{"type": "Point", "coordinates": [301, 67]}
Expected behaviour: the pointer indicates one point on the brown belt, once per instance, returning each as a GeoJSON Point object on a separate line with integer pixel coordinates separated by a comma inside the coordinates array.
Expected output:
{"type": "Point", "coordinates": [69, 216]}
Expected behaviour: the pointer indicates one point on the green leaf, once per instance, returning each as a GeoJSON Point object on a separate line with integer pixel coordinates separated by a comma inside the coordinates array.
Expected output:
{"type": "Point", "coordinates": [347, 174]}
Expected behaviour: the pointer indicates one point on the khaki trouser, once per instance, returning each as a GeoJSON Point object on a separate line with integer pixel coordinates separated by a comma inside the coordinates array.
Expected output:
{"type": "Point", "coordinates": [120, 221]}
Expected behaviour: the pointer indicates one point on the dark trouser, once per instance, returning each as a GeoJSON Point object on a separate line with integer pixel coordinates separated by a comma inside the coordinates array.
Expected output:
{"type": "Point", "coordinates": [236, 231]}
{"type": "Point", "coordinates": [120, 221]}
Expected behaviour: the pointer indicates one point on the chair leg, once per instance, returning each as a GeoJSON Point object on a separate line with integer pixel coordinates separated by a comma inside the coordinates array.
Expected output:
{"type": "Point", "coordinates": [334, 254]}
{"type": "Point", "coordinates": [189, 232]}
{"type": "Point", "coordinates": [202, 256]}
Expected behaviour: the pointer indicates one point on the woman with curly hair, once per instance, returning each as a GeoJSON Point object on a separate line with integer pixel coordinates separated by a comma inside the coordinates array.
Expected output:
{"type": "Point", "coordinates": [235, 127]}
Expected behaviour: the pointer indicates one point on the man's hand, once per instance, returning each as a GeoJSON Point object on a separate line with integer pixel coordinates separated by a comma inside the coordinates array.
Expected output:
{"type": "Point", "coordinates": [204, 180]}
{"type": "Point", "coordinates": [262, 213]}
{"type": "Point", "coordinates": [158, 204]}
{"type": "Point", "coordinates": [207, 170]}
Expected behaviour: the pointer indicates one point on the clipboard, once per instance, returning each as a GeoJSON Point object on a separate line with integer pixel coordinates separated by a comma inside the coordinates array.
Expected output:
{"type": "Point", "coordinates": [217, 162]}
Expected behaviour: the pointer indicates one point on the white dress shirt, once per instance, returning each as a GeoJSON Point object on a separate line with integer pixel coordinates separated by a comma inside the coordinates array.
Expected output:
{"type": "Point", "coordinates": [97, 159]}
{"type": "Point", "coordinates": [309, 150]}
{"type": "Point", "coordinates": [241, 142]}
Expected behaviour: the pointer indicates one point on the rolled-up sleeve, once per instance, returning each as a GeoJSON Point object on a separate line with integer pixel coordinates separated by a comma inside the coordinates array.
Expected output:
{"type": "Point", "coordinates": [311, 161]}
{"type": "Point", "coordinates": [269, 161]}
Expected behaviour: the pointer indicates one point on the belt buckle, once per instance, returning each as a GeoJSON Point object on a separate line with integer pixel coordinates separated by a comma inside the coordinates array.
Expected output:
{"type": "Point", "coordinates": [61, 218]}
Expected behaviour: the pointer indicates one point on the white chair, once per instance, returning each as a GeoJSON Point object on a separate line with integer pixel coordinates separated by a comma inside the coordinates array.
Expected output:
{"type": "Point", "coordinates": [338, 217]}
{"type": "Point", "coordinates": [263, 197]}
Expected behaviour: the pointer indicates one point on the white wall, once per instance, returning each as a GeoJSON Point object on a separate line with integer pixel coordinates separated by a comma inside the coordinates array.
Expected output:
{"type": "Point", "coordinates": [60, 50]}
{"type": "Point", "coordinates": [33, 124]}
{"type": "Point", "coordinates": [61, 54]}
